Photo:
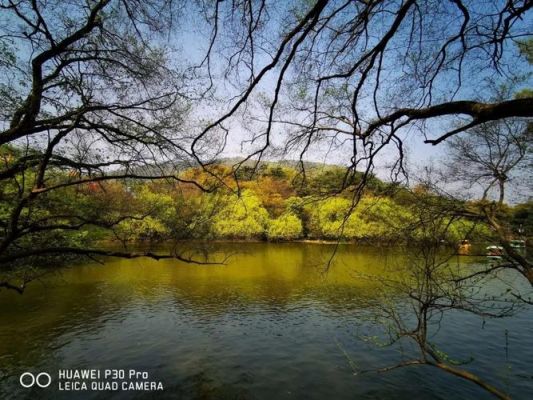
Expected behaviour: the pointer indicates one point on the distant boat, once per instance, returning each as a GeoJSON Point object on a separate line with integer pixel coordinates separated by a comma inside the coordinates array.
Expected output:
{"type": "Point", "coordinates": [494, 252]}
{"type": "Point", "coordinates": [518, 244]}
{"type": "Point", "coordinates": [463, 248]}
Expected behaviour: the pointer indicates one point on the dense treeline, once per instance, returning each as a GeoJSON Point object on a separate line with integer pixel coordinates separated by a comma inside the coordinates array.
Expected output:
{"type": "Point", "coordinates": [277, 202]}
{"type": "Point", "coordinates": [274, 202]}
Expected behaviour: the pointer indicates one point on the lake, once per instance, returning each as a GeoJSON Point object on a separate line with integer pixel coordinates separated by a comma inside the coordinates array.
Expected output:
{"type": "Point", "coordinates": [273, 323]}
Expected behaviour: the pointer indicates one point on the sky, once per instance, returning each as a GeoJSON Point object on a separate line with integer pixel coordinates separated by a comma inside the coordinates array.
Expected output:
{"type": "Point", "coordinates": [194, 41]}
{"type": "Point", "coordinates": [190, 40]}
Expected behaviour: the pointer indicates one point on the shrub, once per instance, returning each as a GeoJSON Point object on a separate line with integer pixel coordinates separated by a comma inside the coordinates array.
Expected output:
{"type": "Point", "coordinates": [286, 227]}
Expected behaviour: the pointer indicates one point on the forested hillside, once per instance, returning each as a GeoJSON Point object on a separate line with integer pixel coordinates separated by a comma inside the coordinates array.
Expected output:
{"type": "Point", "coordinates": [275, 201]}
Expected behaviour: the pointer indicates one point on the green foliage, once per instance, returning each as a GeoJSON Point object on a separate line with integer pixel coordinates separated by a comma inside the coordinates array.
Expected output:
{"type": "Point", "coordinates": [241, 217]}
{"type": "Point", "coordinates": [522, 218]}
{"type": "Point", "coordinates": [150, 215]}
{"type": "Point", "coordinates": [286, 227]}
{"type": "Point", "coordinates": [295, 205]}
{"type": "Point", "coordinates": [147, 228]}
{"type": "Point", "coordinates": [524, 93]}
{"type": "Point", "coordinates": [464, 229]}
{"type": "Point", "coordinates": [269, 208]}
{"type": "Point", "coordinates": [526, 49]}
{"type": "Point", "coordinates": [327, 217]}
{"type": "Point", "coordinates": [328, 179]}
{"type": "Point", "coordinates": [372, 218]}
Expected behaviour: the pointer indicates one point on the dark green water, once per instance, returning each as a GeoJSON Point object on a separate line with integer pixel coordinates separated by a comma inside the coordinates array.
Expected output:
{"type": "Point", "coordinates": [269, 325]}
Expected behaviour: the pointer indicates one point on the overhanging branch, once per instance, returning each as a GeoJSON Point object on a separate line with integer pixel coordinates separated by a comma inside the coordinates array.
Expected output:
{"type": "Point", "coordinates": [480, 113]}
{"type": "Point", "coordinates": [100, 252]}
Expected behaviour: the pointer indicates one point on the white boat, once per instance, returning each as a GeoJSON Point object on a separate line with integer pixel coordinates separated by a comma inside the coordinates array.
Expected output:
{"type": "Point", "coordinates": [494, 252]}
{"type": "Point", "coordinates": [518, 244]}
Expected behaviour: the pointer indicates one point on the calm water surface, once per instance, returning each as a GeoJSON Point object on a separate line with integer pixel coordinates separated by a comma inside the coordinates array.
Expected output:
{"type": "Point", "coordinates": [268, 325]}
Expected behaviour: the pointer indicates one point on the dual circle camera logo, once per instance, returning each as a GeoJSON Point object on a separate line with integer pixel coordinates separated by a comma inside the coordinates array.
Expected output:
{"type": "Point", "coordinates": [42, 379]}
